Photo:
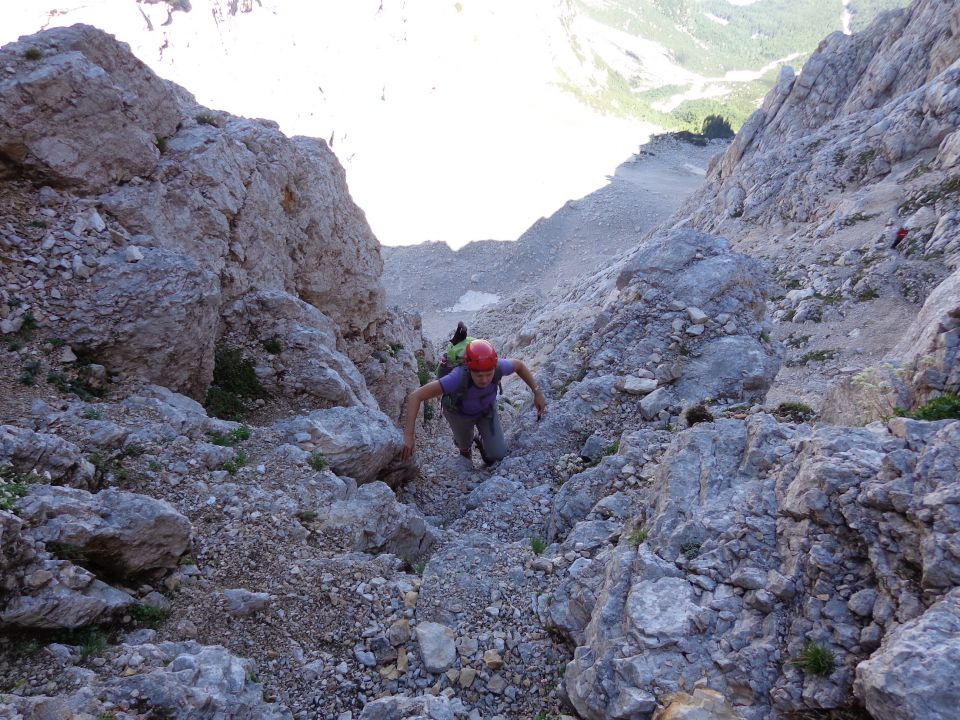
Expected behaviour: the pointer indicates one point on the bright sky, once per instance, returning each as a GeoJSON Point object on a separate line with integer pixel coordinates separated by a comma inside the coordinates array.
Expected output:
{"type": "Point", "coordinates": [450, 124]}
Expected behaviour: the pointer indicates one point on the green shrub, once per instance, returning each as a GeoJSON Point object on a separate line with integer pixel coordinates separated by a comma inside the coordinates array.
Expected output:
{"type": "Point", "coordinates": [538, 545]}
{"type": "Point", "coordinates": [206, 119]}
{"type": "Point", "coordinates": [638, 536]}
{"type": "Point", "coordinates": [318, 461]}
{"type": "Point", "coordinates": [92, 413]}
{"type": "Point", "coordinates": [148, 616]}
{"type": "Point", "coordinates": [224, 405]}
{"type": "Point", "coordinates": [239, 460]}
{"type": "Point", "coordinates": [33, 54]}
{"type": "Point", "coordinates": [307, 515]}
{"type": "Point", "coordinates": [816, 659]}
{"type": "Point", "coordinates": [234, 382]}
{"type": "Point", "coordinates": [945, 407]}
{"type": "Point", "coordinates": [715, 126]}
{"type": "Point", "coordinates": [29, 373]}
{"type": "Point", "coordinates": [161, 143]}
{"type": "Point", "coordinates": [234, 437]}
{"type": "Point", "coordinates": [690, 550]}
{"type": "Point", "coordinates": [273, 345]}
{"type": "Point", "coordinates": [794, 411]}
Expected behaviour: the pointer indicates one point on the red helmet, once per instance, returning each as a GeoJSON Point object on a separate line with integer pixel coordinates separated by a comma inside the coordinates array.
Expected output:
{"type": "Point", "coordinates": [480, 356]}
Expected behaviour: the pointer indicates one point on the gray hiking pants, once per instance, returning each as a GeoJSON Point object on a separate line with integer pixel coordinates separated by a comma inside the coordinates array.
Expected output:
{"type": "Point", "coordinates": [491, 432]}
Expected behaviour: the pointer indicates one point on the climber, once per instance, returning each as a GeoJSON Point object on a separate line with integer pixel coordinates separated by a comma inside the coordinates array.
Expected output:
{"type": "Point", "coordinates": [469, 402]}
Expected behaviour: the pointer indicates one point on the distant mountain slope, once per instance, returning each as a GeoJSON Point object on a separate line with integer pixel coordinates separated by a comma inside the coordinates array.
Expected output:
{"type": "Point", "coordinates": [724, 55]}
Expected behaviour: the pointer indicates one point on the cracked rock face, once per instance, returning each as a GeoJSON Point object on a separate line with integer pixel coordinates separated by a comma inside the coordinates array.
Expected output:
{"type": "Point", "coordinates": [193, 211]}
{"type": "Point", "coordinates": [712, 593]}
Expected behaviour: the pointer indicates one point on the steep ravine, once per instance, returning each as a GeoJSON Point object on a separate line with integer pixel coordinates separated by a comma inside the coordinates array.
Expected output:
{"type": "Point", "coordinates": [658, 546]}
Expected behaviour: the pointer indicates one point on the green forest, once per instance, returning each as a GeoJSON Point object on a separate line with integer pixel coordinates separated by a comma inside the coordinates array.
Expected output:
{"type": "Point", "coordinates": [710, 38]}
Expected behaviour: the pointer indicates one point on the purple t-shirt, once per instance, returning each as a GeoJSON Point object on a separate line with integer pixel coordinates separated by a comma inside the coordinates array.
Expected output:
{"type": "Point", "coordinates": [476, 401]}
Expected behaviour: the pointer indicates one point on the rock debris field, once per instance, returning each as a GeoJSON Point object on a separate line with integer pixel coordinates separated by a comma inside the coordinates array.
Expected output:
{"type": "Point", "coordinates": [204, 512]}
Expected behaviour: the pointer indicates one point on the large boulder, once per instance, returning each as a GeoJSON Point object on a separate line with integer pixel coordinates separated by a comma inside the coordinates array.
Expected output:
{"type": "Point", "coordinates": [924, 364]}
{"type": "Point", "coordinates": [373, 521]}
{"type": "Point", "coordinates": [55, 594]}
{"type": "Point", "coordinates": [79, 109]}
{"type": "Point", "coordinates": [173, 680]}
{"type": "Point", "coordinates": [913, 675]}
{"type": "Point", "coordinates": [309, 363]}
{"type": "Point", "coordinates": [123, 534]}
{"type": "Point", "coordinates": [765, 538]}
{"type": "Point", "coordinates": [359, 442]}
{"type": "Point", "coordinates": [164, 306]}
{"type": "Point", "coordinates": [44, 457]}
{"type": "Point", "coordinates": [192, 210]}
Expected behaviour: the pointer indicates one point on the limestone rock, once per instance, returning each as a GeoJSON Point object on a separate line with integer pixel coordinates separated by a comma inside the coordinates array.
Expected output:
{"type": "Point", "coordinates": [51, 458]}
{"type": "Point", "coordinates": [437, 649]}
{"type": "Point", "coordinates": [88, 115]}
{"type": "Point", "coordinates": [164, 308]}
{"type": "Point", "coordinates": [124, 533]}
{"type": "Point", "coordinates": [359, 442]}
{"type": "Point", "coordinates": [373, 521]}
{"type": "Point", "coordinates": [70, 597]}
{"type": "Point", "coordinates": [900, 681]}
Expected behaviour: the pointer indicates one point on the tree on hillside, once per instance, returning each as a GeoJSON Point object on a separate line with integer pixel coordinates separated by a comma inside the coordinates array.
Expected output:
{"type": "Point", "coordinates": [715, 126]}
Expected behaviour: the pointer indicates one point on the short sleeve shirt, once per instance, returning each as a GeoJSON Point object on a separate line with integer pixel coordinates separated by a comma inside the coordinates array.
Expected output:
{"type": "Point", "coordinates": [476, 401]}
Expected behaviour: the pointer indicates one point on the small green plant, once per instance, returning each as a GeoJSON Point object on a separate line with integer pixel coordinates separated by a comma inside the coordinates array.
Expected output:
{"type": "Point", "coordinates": [839, 157]}
{"type": "Point", "coordinates": [868, 294]}
{"type": "Point", "coordinates": [148, 616]}
{"type": "Point", "coordinates": [428, 412]}
{"type": "Point", "coordinates": [33, 54]}
{"type": "Point", "coordinates": [239, 460]}
{"type": "Point", "coordinates": [944, 407]}
{"type": "Point", "coordinates": [307, 515]}
{"type": "Point", "coordinates": [424, 371]}
{"type": "Point", "coordinates": [26, 648]}
{"type": "Point", "coordinates": [794, 411]}
{"type": "Point", "coordinates": [68, 551]}
{"type": "Point", "coordinates": [13, 486]}
{"type": "Point", "coordinates": [92, 413]}
{"type": "Point", "coordinates": [273, 345]}
{"type": "Point", "coordinates": [39, 224]}
{"type": "Point", "coordinates": [206, 119]}
{"type": "Point", "coordinates": [419, 567]}
{"type": "Point", "coordinates": [612, 449]}
{"type": "Point", "coordinates": [28, 374]}
{"type": "Point", "coordinates": [29, 323]}
{"type": "Point", "coordinates": [393, 348]}
{"type": "Point", "coordinates": [318, 461]}
{"type": "Point", "coordinates": [57, 342]}
{"type": "Point", "coordinates": [187, 560]}
{"type": "Point", "coordinates": [92, 641]}
{"type": "Point", "coordinates": [234, 437]}
{"type": "Point", "coordinates": [816, 659]}
{"type": "Point", "coordinates": [798, 341]}
{"type": "Point", "coordinates": [765, 336]}
{"type": "Point", "coordinates": [234, 382]}
{"type": "Point", "coordinates": [789, 315]}
{"type": "Point", "coordinates": [544, 715]}
{"type": "Point", "coordinates": [161, 143]}
{"type": "Point", "coordinates": [538, 545]}
{"type": "Point", "coordinates": [690, 550]}
{"type": "Point", "coordinates": [638, 536]}
{"type": "Point", "coordinates": [154, 465]}
{"type": "Point", "coordinates": [814, 356]}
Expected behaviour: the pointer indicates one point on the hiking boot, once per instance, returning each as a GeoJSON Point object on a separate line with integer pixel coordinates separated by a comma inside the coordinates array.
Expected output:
{"type": "Point", "coordinates": [464, 462]}
{"type": "Point", "coordinates": [478, 441]}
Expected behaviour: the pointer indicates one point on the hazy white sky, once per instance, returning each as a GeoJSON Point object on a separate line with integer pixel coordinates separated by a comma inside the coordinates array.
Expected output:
{"type": "Point", "coordinates": [450, 123]}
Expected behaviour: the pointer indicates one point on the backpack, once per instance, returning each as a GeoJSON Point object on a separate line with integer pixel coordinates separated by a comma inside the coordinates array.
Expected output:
{"type": "Point", "coordinates": [452, 359]}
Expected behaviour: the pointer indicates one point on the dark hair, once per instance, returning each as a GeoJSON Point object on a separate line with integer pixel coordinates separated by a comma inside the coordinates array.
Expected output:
{"type": "Point", "coordinates": [460, 334]}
